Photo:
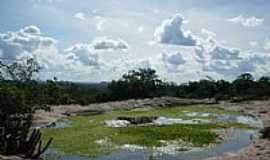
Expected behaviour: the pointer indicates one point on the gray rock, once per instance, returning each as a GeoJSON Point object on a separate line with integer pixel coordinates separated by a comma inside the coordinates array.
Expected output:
{"type": "Point", "coordinates": [265, 133]}
{"type": "Point", "coordinates": [266, 130]}
{"type": "Point", "coordinates": [138, 120]}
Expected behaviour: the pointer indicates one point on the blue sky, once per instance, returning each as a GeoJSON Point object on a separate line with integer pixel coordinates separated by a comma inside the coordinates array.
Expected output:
{"type": "Point", "coordinates": [99, 40]}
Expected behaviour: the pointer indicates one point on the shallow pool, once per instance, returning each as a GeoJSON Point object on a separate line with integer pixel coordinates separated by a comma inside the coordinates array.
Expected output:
{"type": "Point", "coordinates": [235, 140]}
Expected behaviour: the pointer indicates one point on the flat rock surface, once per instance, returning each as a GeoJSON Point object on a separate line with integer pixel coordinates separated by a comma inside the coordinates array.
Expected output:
{"type": "Point", "coordinates": [260, 148]}
{"type": "Point", "coordinates": [58, 112]}
{"type": "Point", "coordinates": [10, 158]}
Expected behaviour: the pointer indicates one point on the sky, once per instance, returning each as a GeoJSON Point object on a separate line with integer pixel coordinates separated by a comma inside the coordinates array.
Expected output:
{"type": "Point", "coordinates": [99, 40]}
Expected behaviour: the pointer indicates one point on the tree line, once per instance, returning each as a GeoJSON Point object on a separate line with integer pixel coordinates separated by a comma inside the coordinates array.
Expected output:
{"type": "Point", "coordinates": [144, 83]}
{"type": "Point", "coordinates": [141, 83]}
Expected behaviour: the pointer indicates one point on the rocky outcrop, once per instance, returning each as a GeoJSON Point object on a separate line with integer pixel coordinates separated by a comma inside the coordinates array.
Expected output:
{"type": "Point", "coordinates": [260, 148]}
{"type": "Point", "coordinates": [11, 158]}
{"type": "Point", "coordinates": [58, 112]}
{"type": "Point", "coordinates": [266, 130]}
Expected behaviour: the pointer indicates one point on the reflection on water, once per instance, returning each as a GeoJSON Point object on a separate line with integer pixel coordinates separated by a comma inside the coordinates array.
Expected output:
{"type": "Point", "coordinates": [236, 139]}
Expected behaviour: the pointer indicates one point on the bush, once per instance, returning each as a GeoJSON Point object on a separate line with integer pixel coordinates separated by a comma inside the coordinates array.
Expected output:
{"type": "Point", "coordinates": [18, 101]}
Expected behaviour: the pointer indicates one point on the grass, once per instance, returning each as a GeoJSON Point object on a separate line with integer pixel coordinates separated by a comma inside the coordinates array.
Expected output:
{"type": "Point", "coordinates": [86, 130]}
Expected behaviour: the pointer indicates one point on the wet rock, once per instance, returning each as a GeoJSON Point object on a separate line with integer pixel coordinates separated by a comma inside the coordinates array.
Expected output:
{"type": "Point", "coordinates": [138, 120]}
{"type": "Point", "coordinates": [11, 158]}
{"type": "Point", "coordinates": [201, 114]}
{"type": "Point", "coordinates": [169, 121]}
{"type": "Point", "coordinates": [263, 111]}
{"type": "Point", "coordinates": [266, 130]}
{"type": "Point", "coordinates": [247, 119]}
{"type": "Point", "coordinates": [58, 124]}
{"type": "Point", "coordinates": [86, 113]}
{"type": "Point", "coordinates": [265, 133]}
{"type": "Point", "coordinates": [117, 123]}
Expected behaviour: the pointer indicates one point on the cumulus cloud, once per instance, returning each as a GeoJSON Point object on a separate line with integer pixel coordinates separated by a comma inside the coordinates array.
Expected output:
{"type": "Point", "coordinates": [208, 34]}
{"type": "Point", "coordinates": [225, 53]}
{"type": "Point", "coordinates": [228, 62]}
{"type": "Point", "coordinates": [105, 43]}
{"type": "Point", "coordinates": [31, 42]}
{"type": "Point", "coordinates": [26, 40]}
{"type": "Point", "coordinates": [80, 16]}
{"type": "Point", "coordinates": [172, 61]}
{"type": "Point", "coordinates": [247, 21]}
{"type": "Point", "coordinates": [100, 23]}
{"type": "Point", "coordinates": [171, 32]}
{"type": "Point", "coordinates": [83, 53]}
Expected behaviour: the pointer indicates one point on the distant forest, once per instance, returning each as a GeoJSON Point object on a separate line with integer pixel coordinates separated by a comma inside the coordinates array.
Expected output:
{"type": "Point", "coordinates": [144, 83]}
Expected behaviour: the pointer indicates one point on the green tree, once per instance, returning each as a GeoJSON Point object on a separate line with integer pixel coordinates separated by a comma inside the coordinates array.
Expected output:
{"type": "Point", "coordinates": [244, 85]}
{"type": "Point", "coordinates": [140, 83]}
{"type": "Point", "coordinates": [263, 87]}
{"type": "Point", "coordinates": [19, 100]}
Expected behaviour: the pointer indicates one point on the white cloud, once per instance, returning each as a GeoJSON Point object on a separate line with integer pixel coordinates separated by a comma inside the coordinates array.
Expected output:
{"type": "Point", "coordinates": [171, 32]}
{"type": "Point", "coordinates": [84, 53]}
{"type": "Point", "coordinates": [80, 16]}
{"type": "Point", "coordinates": [221, 60]}
{"type": "Point", "coordinates": [247, 21]}
{"type": "Point", "coordinates": [101, 22]}
{"type": "Point", "coordinates": [229, 62]}
{"type": "Point", "coordinates": [208, 34]}
{"type": "Point", "coordinates": [96, 19]}
{"type": "Point", "coordinates": [267, 44]}
{"type": "Point", "coordinates": [211, 56]}
{"type": "Point", "coordinates": [104, 43]}
{"type": "Point", "coordinates": [31, 42]}
{"type": "Point", "coordinates": [80, 58]}
{"type": "Point", "coordinates": [26, 40]}
{"type": "Point", "coordinates": [220, 52]}
{"type": "Point", "coordinates": [172, 61]}
{"type": "Point", "coordinates": [31, 30]}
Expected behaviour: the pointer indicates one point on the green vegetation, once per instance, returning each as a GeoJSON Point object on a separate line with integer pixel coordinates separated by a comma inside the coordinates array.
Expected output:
{"type": "Point", "coordinates": [18, 102]}
{"type": "Point", "coordinates": [82, 137]}
{"type": "Point", "coordinates": [145, 83]}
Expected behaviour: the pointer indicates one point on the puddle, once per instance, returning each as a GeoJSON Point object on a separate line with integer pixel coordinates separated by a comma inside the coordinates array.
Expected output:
{"type": "Point", "coordinates": [201, 114]}
{"type": "Point", "coordinates": [168, 121]}
{"type": "Point", "coordinates": [247, 119]}
{"type": "Point", "coordinates": [237, 140]}
{"type": "Point", "coordinates": [154, 121]}
{"type": "Point", "coordinates": [244, 119]}
{"type": "Point", "coordinates": [63, 123]}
